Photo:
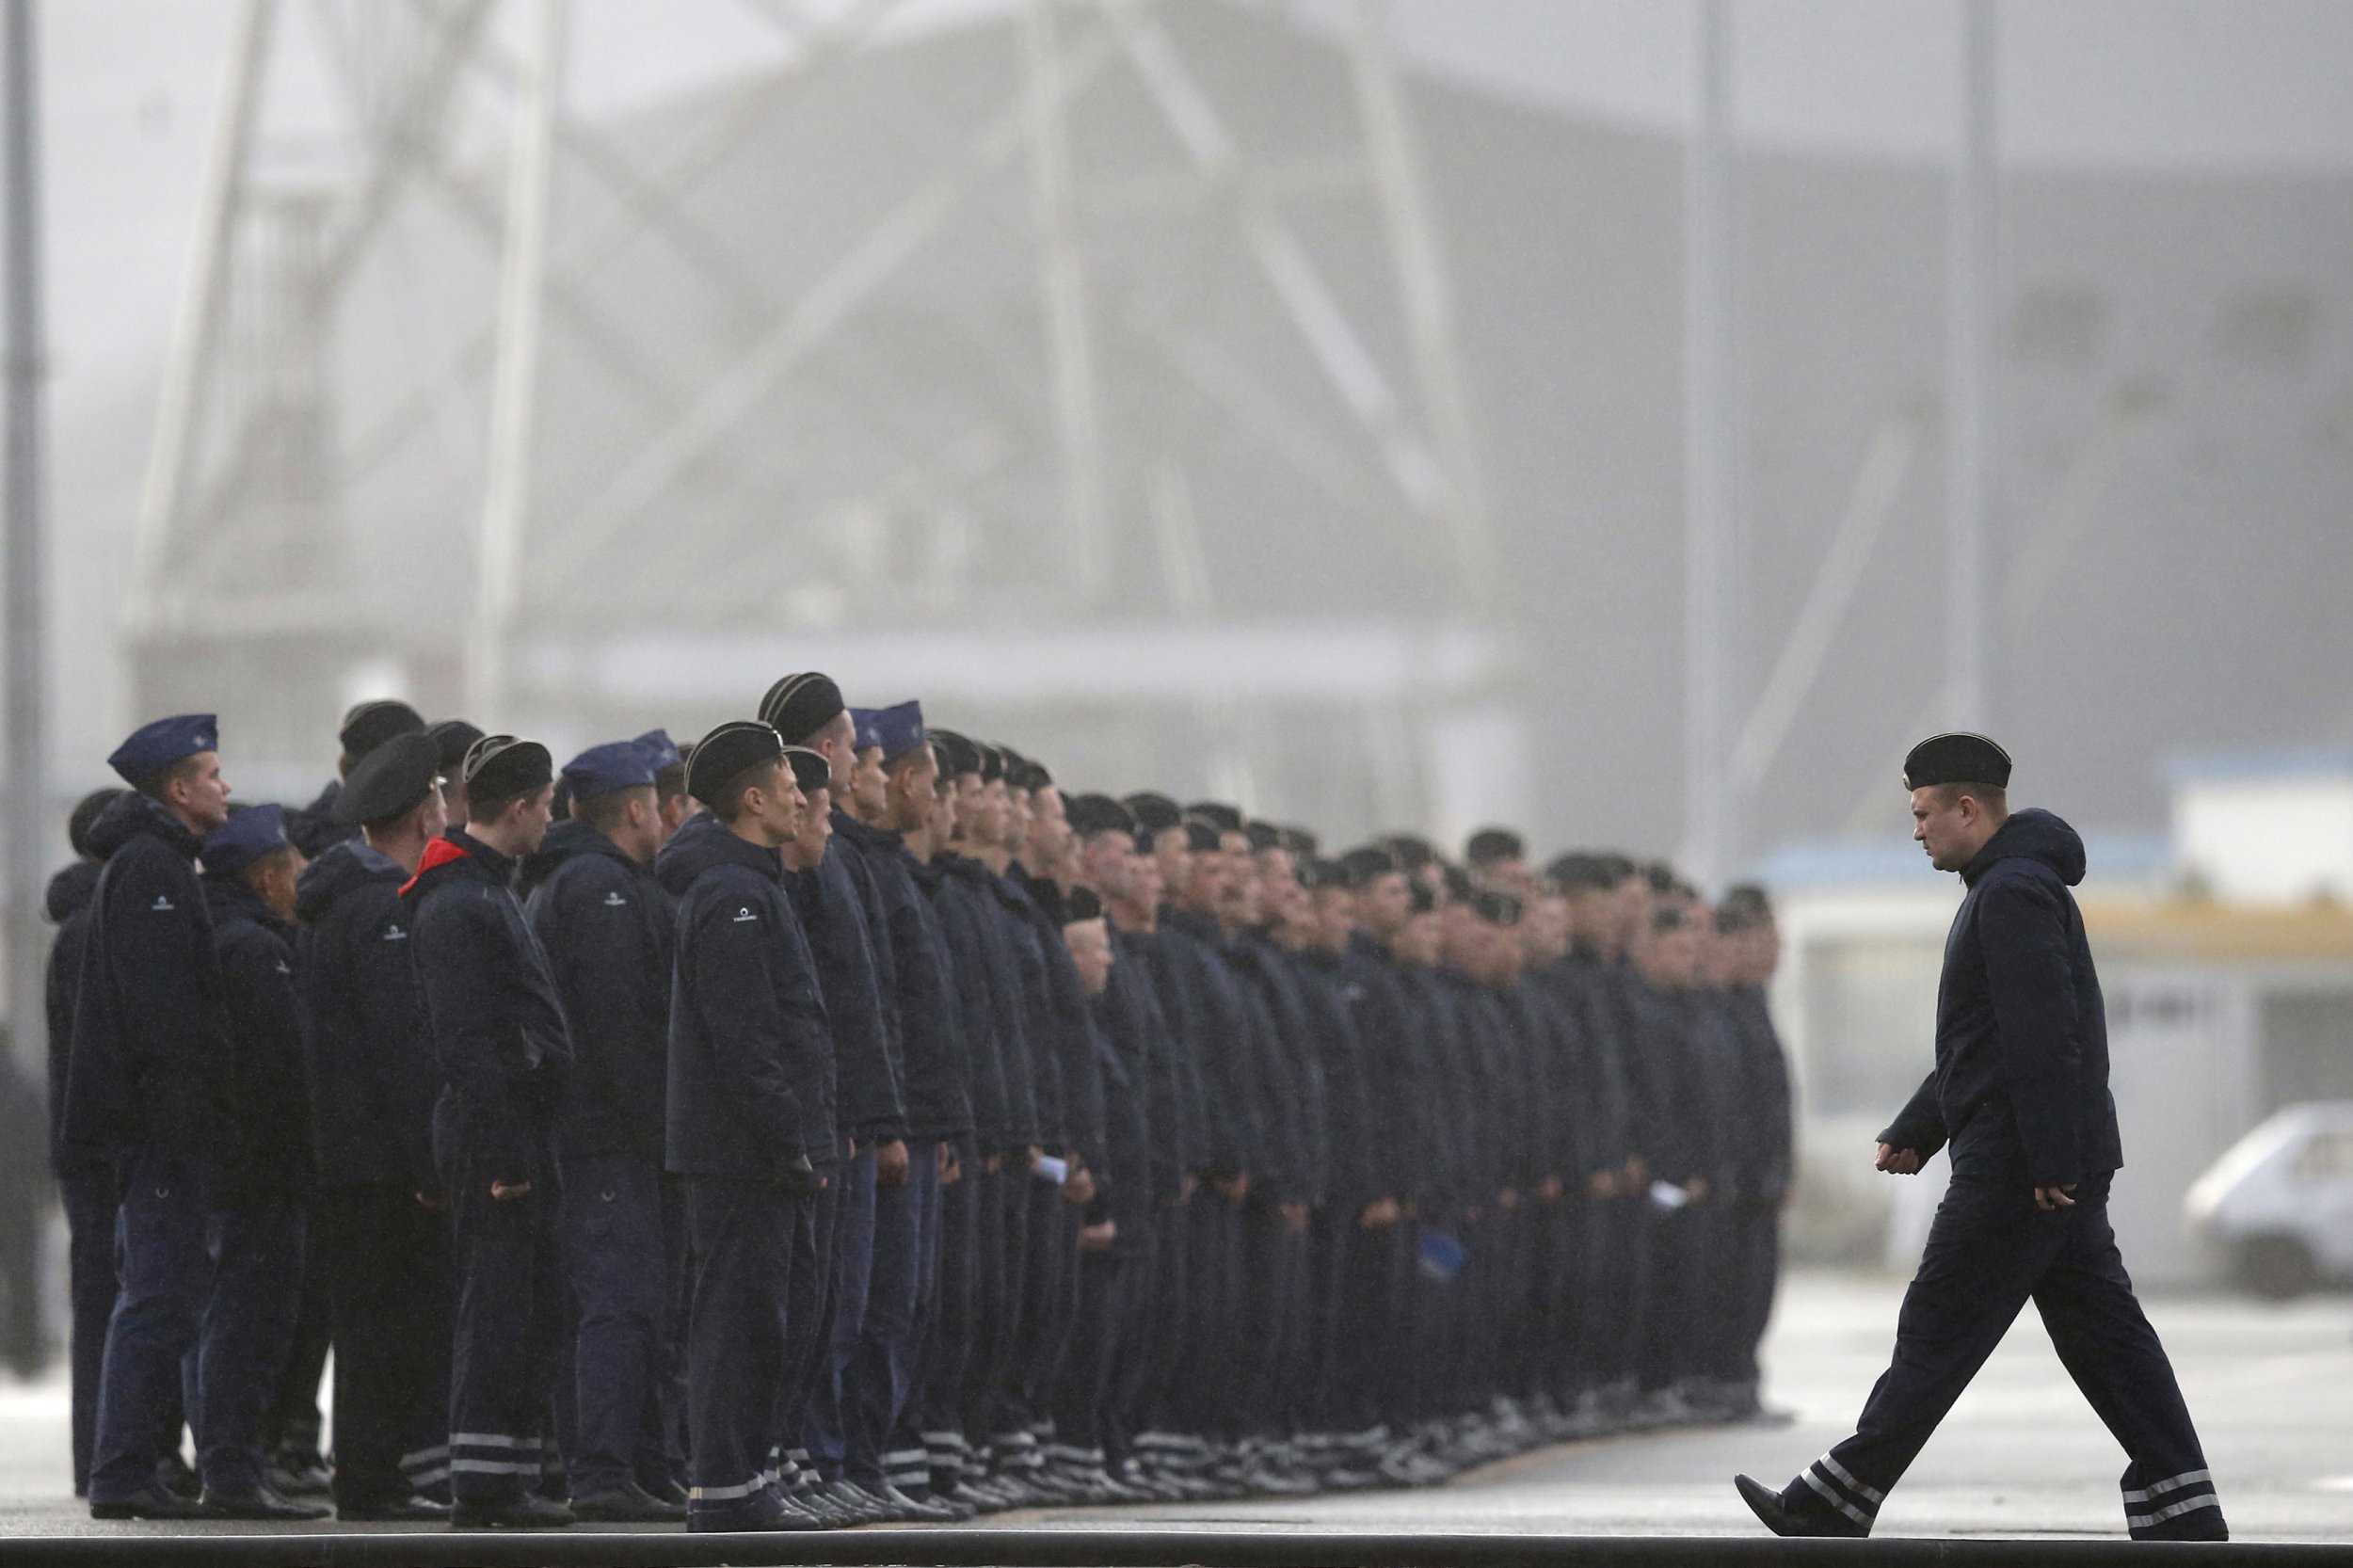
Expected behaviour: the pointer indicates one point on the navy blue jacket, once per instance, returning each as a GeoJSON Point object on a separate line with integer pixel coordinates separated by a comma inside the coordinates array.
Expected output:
{"type": "Point", "coordinates": [150, 1036]}
{"type": "Point", "coordinates": [313, 827]}
{"type": "Point", "coordinates": [1768, 1148]}
{"type": "Point", "coordinates": [1589, 1072]}
{"type": "Point", "coordinates": [497, 1026]}
{"type": "Point", "coordinates": [1382, 1010]}
{"type": "Point", "coordinates": [1289, 1070]}
{"type": "Point", "coordinates": [1071, 1033]}
{"type": "Point", "coordinates": [268, 1082]}
{"type": "Point", "coordinates": [1123, 1168]}
{"type": "Point", "coordinates": [605, 923]}
{"type": "Point", "coordinates": [932, 1052]}
{"type": "Point", "coordinates": [1004, 1109]}
{"type": "Point", "coordinates": [2021, 1083]}
{"type": "Point", "coordinates": [833, 913]}
{"type": "Point", "coordinates": [1330, 993]}
{"type": "Point", "coordinates": [1222, 1038]}
{"type": "Point", "coordinates": [372, 1071]}
{"type": "Point", "coordinates": [751, 1055]}
{"type": "Point", "coordinates": [69, 894]}
{"type": "Point", "coordinates": [1152, 1064]}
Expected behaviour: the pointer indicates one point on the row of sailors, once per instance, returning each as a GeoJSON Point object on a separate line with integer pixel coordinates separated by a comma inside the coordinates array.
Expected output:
{"type": "Point", "coordinates": [834, 1123]}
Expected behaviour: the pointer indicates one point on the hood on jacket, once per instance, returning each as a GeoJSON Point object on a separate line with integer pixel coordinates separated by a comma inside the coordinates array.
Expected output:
{"type": "Point", "coordinates": [350, 864]}
{"type": "Point", "coordinates": [133, 815]}
{"type": "Point", "coordinates": [2032, 834]}
{"type": "Point", "coordinates": [565, 840]}
{"type": "Point", "coordinates": [468, 856]}
{"type": "Point", "coordinates": [71, 890]}
{"type": "Point", "coordinates": [703, 842]}
{"type": "Point", "coordinates": [230, 899]}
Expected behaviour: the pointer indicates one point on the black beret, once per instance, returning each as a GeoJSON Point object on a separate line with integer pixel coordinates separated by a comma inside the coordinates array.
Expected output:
{"type": "Point", "coordinates": [369, 725]}
{"type": "Point", "coordinates": [1227, 819]}
{"type": "Point", "coordinates": [1582, 872]}
{"type": "Point", "coordinates": [498, 766]}
{"type": "Point", "coordinates": [1264, 835]}
{"type": "Point", "coordinates": [1200, 836]}
{"type": "Point", "coordinates": [1957, 758]}
{"type": "Point", "coordinates": [1081, 904]}
{"type": "Point", "coordinates": [799, 706]}
{"type": "Point", "coordinates": [1362, 867]}
{"type": "Point", "coordinates": [1302, 843]}
{"type": "Point", "coordinates": [1034, 775]}
{"type": "Point", "coordinates": [390, 781]}
{"type": "Point", "coordinates": [1317, 875]}
{"type": "Point", "coordinates": [726, 752]}
{"type": "Point", "coordinates": [1016, 765]}
{"type": "Point", "coordinates": [958, 756]}
{"type": "Point", "coordinates": [810, 770]}
{"type": "Point", "coordinates": [992, 761]}
{"type": "Point", "coordinates": [454, 738]}
{"type": "Point", "coordinates": [1154, 814]}
{"type": "Point", "coordinates": [1620, 867]}
{"type": "Point", "coordinates": [85, 815]}
{"type": "Point", "coordinates": [1091, 814]}
{"type": "Point", "coordinates": [1493, 843]}
{"type": "Point", "coordinates": [1662, 877]}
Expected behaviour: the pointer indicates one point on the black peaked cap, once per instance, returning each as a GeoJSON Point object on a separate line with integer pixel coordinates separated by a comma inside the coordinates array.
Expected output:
{"type": "Point", "coordinates": [800, 705]}
{"type": "Point", "coordinates": [726, 752]}
{"type": "Point", "coordinates": [1957, 758]}
{"type": "Point", "coordinates": [389, 780]}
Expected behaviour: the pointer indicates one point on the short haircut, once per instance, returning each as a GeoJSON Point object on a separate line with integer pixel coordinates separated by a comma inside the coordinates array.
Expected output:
{"type": "Point", "coordinates": [669, 783]}
{"type": "Point", "coordinates": [608, 811]}
{"type": "Point", "coordinates": [1993, 797]}
{"type": "Point", "coordinates": [490, 807]}
{"type": "Point", "coordinates": [728, 805]}
{"type": "Point", "coordinates": [159, 783]}
{"type": "Point", "coordinates": [384, 826]}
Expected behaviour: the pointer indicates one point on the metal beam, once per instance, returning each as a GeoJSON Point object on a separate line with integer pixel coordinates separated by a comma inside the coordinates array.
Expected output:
{"type": "Point", "coordinates": [199, 323]}
{"type": "Point", "coordinates": [26, 784]}
{"type": "Point", "coordinates": [506, 503]}
{"type": "Point", "coordinates": [1974, 269]}
{"type": "Point", "coordinates": [1063, 294]}
{"type": "Point", "coordinates": [1709, 436]}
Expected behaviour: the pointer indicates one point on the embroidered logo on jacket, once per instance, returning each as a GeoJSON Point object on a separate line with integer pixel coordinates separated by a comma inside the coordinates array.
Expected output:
{"type": "Point", "coordinates": [163, 905]}
{"type": "Point", "coordinates": [744, 914]}
{"type": "Point", "coordinates": [615, 901]}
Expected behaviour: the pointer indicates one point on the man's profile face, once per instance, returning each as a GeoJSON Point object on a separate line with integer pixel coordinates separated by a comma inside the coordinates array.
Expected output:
{"type": "Point", "coordinates": [1948, 825]}
{"type": "Point", "coordinates": [202, 793]}
{"type": "Point", "coordinates": [532, 817]}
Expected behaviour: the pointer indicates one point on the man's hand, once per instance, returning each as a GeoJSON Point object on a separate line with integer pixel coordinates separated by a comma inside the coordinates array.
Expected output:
{"type": "Point", "coordinates": [1895, 1161]}
{"type": "Point", "coordinates": [1294, 1216]}
{"type": "Point", "coordinates": [1697, 1188]}
{"type": "Point", "coordinates": [507, 1192]}
{"type": "Point", "coordinates": [951, 1168]}
{"type": "Point", "coordinates": [1233, 1189]}
{"type": "Point", "coordinates": [1550, 1189]}
{"type": "Point", "coordinates": [1601, 1184]}
{"type": "Point", "coordinates": [1380, 1214]}
{"type": "Point", "coordinates": [426, 1200]}
{"type": "Point", "coordinates": [891, 1163]}
{"type": "Point", "coordinates": [1098, 1238]}
{"type": "Point", "coordinates": [1080, 1187]}
{"type": "Point", "coordinates": [2053, 1198]}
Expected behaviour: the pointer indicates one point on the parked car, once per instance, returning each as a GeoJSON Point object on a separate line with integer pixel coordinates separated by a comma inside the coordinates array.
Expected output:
{"type": "Point", "coordinates": [2280, 1200]}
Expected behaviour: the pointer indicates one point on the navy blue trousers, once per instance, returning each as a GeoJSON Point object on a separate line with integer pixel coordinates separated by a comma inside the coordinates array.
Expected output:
{"type": "Point", "coordinates": [1207, 1402]}
{"type": "Point", "coordinates": [1990, 1251]}
{"type": "Point", "coordinates": [257, 1255]}
{"type": "Point", "coordinates": [744, 1240]}
{"type": "Point", "coordinates": [1274, 1322]}
{"type": "Point", "coordinates": [1001, 1224]}
{"type": "Point", "coordinates": [620, 1229]}
{"type": "Point", "coordinates": [1151, 1353]}
{"type": "Point", "coordinates": [1081, 1404]}
{"type": "Point", "coordinates": [165, 1273]}
{"type": "Point", "coordinates": [505, 1335]}
{"type": "Point", "coordinates": [824, 1425]}
{"type": "Point", "coordinates": [385, 1257]}
{"type": "Point", "coordinates": [933, 1418]}
{"type": "Point", "coordinates": [809, 1317]}
{"type": "Point", "coordinates": [90, 1227]}
{"type": "Point", "coordinates": [1049, 1299]}
{"type": "Point", "coordinates": [878, 1381]}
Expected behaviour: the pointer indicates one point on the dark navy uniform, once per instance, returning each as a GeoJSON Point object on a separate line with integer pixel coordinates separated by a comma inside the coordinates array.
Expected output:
{"type": "Point", "coordinates": [2020, 1096]}
{"type": "Point", "coordinates": [499, 1034]}
{"type": "Point", "coordinates": [606, 926]}
{"type": "Point", "coordinates": [85, 1178]}
{"type": "Point", "coordinates": [374, 1081]}
{"type": "Point", "coordinates": [750, 1104]}
{"type": "Point", "coordinates": [148, 1079]}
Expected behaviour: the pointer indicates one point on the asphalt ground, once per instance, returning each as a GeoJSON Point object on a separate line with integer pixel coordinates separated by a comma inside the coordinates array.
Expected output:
{"type": "Point", "coordinates": [2271, 1387]}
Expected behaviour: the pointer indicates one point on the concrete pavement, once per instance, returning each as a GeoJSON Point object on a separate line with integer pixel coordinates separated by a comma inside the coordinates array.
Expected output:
{"type": "Point", "coordinates": [2271, 1388]}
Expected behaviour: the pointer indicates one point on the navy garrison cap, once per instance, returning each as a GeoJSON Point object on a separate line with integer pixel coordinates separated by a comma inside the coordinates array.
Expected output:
{"type": "Point", "coordinates": [726, 752]}
{"type": "Point", "coordinates": [810, 770]}
{"type": "Point", "coordinates": [897, 729]}
{"type": "Point", "coordinates": [799, 706]}
{"type": "Point", "coordinates": [602, 770]}
{"type": "Point", "coordinates": [391, 782]}
{"type": "Point", "coordinates": [451, 740]}
{"type": "Point", "coordinates": [661, 753]}
{"type": "Point", "coordinates": [369, 725]}
{"type": "Point", "coordinates": [498, 766]}
{"type": "Point", "coordinates": [250, 833]}
{"type": "Point", "coordinates": [862, 720]}
{"type": "Point", "coordinates": [154, 748]}
{"type": "Point", "coordinates": [1959, 758]}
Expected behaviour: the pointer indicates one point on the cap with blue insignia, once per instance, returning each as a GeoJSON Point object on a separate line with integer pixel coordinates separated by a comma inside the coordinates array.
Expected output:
{"type": "Point", "coordinates": [862, 721]}
{"type": "Point", "coordinates": [153, 748]}
{"type": "Point", "coordinates": [897, 729]}
{"type": "Point", "coordinates": [391, 782]}
{"type": "Point", "coordinates": [250, 833]}
{"type": "Point", "coordinates": [799, 706]}
{"type": "Point", "coordinates": [1956, 757]}
{"type": "Point", "coordinates": [602, 769]}
{"type": "Point", "coordinates": [724, 754]}
{"type": "Point", "coordinates": [661, 753]}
